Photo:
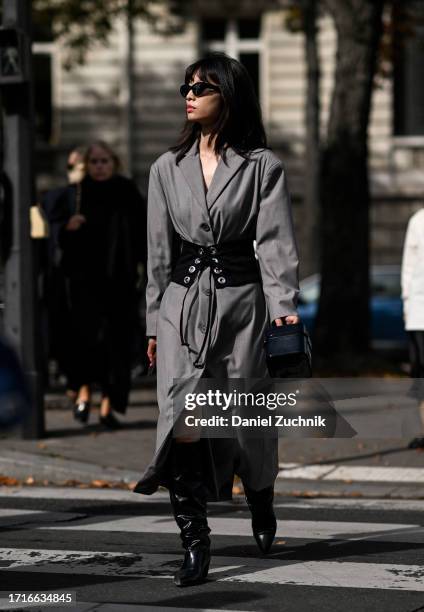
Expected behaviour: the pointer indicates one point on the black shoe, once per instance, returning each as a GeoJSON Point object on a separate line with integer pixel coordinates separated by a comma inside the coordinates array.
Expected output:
{"type": "Point", "coordinates": [416, 443]}
{"type": "Point", "coordinates": [81, 411]}
{"type": "Point", "coordinates": [188, 499]}
{"type": "Point", "coordinates": [195, 567]}
{"type": "Point", "coordinates": [110, 421]}
{"type": "Point", "coordinates": [264, 523]}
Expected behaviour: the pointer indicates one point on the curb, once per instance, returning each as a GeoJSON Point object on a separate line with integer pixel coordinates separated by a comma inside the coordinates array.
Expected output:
{"type": "Point", "coordinates": [339, 488]}
{"type": "Point", "coordinates": [59, 471]}
{"type": "Point", "coordinates": [20, 465]}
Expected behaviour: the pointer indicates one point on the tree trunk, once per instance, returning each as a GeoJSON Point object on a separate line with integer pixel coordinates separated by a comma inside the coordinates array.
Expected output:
{"type": "Point", "coordinates": [311, 202]}
{"type": "Point", "coordinates": [342, 324]}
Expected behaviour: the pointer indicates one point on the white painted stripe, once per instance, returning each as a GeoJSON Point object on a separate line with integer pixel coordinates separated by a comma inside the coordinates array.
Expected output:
{"type": "Point", "coordinates": [99, 562]}
{"type": "Point", "coordinates": [354, 473]}
{"type": "Point", "coordinates": [311, 530]}
{"type": "Point", "coordinates": [226, 569]}
{"type": "Point", "coordinates": [6, 512]}
{"type": "Point", "coordinates": [339, 574]}
{"type": "Point", "coordinates": [401, 505]}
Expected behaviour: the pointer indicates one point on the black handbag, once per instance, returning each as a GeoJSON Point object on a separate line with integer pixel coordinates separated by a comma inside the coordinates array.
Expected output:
{"type": "Point", "coordinates": [288, 350]}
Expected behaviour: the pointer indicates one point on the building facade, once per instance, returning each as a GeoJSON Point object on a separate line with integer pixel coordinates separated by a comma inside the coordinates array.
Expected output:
{"type": "Point", "coordinates": [128, 94]}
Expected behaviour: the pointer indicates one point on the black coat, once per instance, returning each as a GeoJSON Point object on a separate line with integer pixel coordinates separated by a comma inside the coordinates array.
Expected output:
{"type": "Point", "coordinates": [100, 261]}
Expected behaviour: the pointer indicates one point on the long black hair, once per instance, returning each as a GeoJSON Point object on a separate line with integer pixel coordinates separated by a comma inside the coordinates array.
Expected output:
{"type": "Point", "coordinates": [239, 124]}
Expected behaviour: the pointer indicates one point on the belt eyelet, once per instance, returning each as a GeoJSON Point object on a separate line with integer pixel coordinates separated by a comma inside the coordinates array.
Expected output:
{"type": "Point", "coordinates": [186, 279]}
{"type": "Point", "coordinates": [217, 270]}
{"type": "Point", "coordinates": [192, 269]}
{"type": "Point", "coordinates": [212, 250]}
{"type": "Point", "coordinates": [197, 260]}
{"type": "Point", "coordinates": [200, 251]}
{"type": "Point", "coordinates": [214, 259]}
{"type": "Point", "coordinates": [221, 280]}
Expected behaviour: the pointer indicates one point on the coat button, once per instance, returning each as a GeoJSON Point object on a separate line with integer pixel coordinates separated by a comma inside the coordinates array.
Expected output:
{"type": "Point", "coordinates": [202, 327]}
{"type": "Point", "coordinates": [192, 269]}
{"type": "Point", "coordinates": [186, 279]}
{"type": "Point", "coordinates": [205, 226]}
{"type": "Point", "coordinates": [221, 280]}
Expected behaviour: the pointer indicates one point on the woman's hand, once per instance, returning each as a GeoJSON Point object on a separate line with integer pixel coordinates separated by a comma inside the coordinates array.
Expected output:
{"type": "Point", "coordinates": [151, 351]}
{"type": "Point", "coordinates": [75, 222]}
{"type": "Point", "coordinates": [288, 320]}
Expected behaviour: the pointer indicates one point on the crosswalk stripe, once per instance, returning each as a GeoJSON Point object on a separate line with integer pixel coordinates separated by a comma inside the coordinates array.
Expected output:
{"type": "Point", "coordinates": [355, 473]}
{"type": "Point", "coordinates": [338, 574]}
{"type": "Point", "coordinates": [310, 530]}
{"type": "Point", "coordinates": [225, 569]}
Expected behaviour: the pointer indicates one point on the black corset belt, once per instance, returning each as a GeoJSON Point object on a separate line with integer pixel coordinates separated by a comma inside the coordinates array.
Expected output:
{"type": "Point", "coordinates": [230, 264]}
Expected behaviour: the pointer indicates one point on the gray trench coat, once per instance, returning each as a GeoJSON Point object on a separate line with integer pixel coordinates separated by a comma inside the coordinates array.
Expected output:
{"type": "Point", "coordinates": [247, 198]}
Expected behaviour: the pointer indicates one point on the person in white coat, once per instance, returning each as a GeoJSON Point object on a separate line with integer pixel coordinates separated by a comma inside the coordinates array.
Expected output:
{"type": "Point", "coordinates": [412, 281]}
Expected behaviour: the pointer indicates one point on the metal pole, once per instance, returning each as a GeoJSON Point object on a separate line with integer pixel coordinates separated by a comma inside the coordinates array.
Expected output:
{"type": "Point", "coordinates": [130, 89]}
{"type": "Point", "coordinates": [21, 321]}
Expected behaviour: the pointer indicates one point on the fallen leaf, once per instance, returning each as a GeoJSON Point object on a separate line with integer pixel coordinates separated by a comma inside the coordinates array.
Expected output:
{"type": "Point", "coordinates": [101, 484]}
{"type": "Point", "coordinates": [7, 481]}
{"type": "Point", "coordinates": [69, 483]}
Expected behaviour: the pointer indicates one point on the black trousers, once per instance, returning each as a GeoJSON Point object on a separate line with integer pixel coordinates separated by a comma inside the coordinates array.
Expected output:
{"type": "Point", "coordinates": [102, 325]}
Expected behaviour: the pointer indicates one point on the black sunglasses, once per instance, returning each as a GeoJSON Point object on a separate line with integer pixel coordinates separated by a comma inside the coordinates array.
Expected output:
{"type": "Point", "coordinates": [198, 88]}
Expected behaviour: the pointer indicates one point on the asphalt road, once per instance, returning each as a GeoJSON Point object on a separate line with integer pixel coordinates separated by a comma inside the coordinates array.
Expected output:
{"type": "Point", "coordinates": [113, 547]}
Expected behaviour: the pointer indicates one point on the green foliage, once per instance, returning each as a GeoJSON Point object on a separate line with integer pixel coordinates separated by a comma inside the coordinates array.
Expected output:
{"type": "Point", "coordinates": [79, 24]}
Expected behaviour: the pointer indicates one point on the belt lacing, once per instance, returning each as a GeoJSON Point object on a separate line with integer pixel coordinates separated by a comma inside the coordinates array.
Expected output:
{"type": "Point", "coordinates": [206, 261]}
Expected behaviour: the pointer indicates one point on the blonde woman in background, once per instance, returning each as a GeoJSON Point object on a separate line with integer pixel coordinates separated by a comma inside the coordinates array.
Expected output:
{"type": "Point", "coordinates": [103, 242]}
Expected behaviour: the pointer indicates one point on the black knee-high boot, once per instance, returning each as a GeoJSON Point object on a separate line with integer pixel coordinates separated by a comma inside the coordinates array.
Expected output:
{"type": "Point", "coordinates": [264, 523]}
{"type": "Point", "coordinates": [188, 498]}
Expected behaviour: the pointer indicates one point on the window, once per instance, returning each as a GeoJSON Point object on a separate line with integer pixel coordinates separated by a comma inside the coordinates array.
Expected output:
{"type": "Point", "coordinates": [408, 20]}
{"type": "Point", "coordinates": [239, 38]}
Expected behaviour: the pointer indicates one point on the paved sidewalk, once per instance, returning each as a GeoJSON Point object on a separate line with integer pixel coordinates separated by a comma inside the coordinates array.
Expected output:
{"type": "Point", "coordinates": [90, 456]}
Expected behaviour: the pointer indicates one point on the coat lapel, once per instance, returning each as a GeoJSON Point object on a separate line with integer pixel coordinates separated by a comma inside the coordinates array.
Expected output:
{"type": "Point", "coordinates": [223, 175]}
{"type": "Point", "coordinates": [191, 168]}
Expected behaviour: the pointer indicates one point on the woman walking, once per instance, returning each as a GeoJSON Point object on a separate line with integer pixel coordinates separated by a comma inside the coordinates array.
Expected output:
{"type": "Point", "coordinates": [219, 189]}
{"type": "Point", "coordinates": [103, 241]}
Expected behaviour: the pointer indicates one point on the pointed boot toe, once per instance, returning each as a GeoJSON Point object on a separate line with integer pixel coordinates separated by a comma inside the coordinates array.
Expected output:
{"type": "Point", "coordinates": [264, 523]}
{"type": "Point", "coordinates": [264, 540]}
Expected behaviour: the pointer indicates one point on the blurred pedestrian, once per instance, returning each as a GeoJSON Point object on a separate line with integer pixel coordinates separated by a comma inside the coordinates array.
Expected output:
{"type": "Point", "coordinates": [220, 188]}
{"type": "Point", "coordinates": [103, 242]}
{"type": "Point", "coordinates": [412, 279]}
{"type": "Point", "coordinates": [54, 282]}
